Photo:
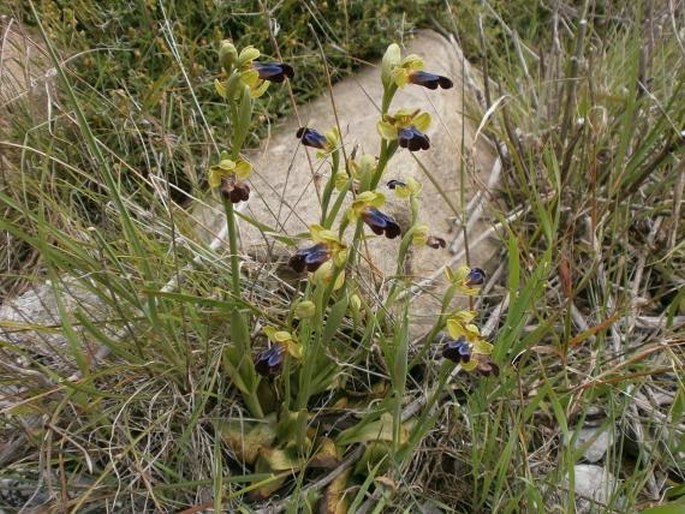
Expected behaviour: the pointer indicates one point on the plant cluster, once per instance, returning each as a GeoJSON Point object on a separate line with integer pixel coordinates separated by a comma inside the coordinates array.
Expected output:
{"type": "Point", "coordinates": [304, 359]}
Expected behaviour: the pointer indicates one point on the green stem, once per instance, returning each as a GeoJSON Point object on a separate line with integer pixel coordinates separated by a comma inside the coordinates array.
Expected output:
{"type": "Point", "coordinates": [330, 186]}
{"type": "Point", "coordinates": [388, 149]}
{"type": "Point", "coordinates": [311, 352]}
{"type": "Point", "coordinates": [233, 248]}
{"type": "Point", "coordinates": [388, 94]}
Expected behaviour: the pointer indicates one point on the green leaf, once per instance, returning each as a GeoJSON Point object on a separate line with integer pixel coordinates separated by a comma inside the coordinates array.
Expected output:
{"type": "Point", "coordinates": [335, 317]}
{"type": "Point", "coordinates": [365, 432]}
{"type": "Point", "coordinates": [247, 439]}
{"type": "Point", "coordinates": [275, 459]}
{"type": "Point", "coordinates": [671, 508]}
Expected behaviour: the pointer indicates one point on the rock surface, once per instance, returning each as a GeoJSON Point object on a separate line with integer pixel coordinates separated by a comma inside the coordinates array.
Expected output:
{"type": "Point", "coordinates": [26, 77]}
{"type": "Point", "coordinates": [595, 442]}
{"type": "Point", "coordinates": [594, 487]}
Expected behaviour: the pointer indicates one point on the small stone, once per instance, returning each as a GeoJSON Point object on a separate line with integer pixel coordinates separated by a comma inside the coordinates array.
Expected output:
{"type": "Point", "coordinates": [593, 485]}
{"type": "Point", "coordinates": [595, 442]}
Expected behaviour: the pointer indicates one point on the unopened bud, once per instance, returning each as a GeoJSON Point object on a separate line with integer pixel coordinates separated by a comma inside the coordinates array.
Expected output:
{"type": "Point", "coordinates": [305, 309]}
{"type": "Point", "coordinates": [228, 55]}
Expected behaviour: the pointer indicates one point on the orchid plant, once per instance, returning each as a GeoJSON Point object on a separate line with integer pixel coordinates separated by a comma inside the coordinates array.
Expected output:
{"type": "Point", "coordinates": [280, 381]}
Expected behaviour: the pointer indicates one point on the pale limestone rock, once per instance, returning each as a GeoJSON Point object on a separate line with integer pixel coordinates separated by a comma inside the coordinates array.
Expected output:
{"type": "Point", "coordinates": [594, 487]}
{"type": "Point", "coordinates": [595, 441]}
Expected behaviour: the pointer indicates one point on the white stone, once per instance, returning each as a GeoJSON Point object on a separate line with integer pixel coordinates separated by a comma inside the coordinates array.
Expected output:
{"type": "Point", "coordinates": [595, 442]}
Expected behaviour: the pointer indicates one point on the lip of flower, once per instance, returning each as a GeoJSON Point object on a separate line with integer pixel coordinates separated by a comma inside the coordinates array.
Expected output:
{"type": "Point", "coordinates": [457, 350]}
{"type": "Point", "coordinates": [486, 366]}
{"type": "Point", "coordinates": [236, 192]}
{"type": "Point", "coordinates": [380, 222]}
{"type": "Point", "coordinates": [392, 184]}
{"type": "Point", "coordinates": [310, 258]}
{"type": "Point", "coordinates": [475, 277]}
{"type": "Point", "coordinates": [413, 139]}
{"type": "Point", "coordinates": [436, 242]}
{"type": "Point", "coordinates": [273, 71]}
{"type": "Point", "coordinates": [269, 362]}
{"type": "Point", "coordinates": [429, 80]}
{"type": "Point", "coordinates": [313, 138]}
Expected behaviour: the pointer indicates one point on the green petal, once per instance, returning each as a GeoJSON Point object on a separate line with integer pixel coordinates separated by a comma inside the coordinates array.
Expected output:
{"type": "Point", "coordinates": [214, 178]}
{"type": "Point", "coordinates": [294, 349]}
{"type": "Point", "coordinates": [412, 63]}
{"type": "Point", "coordinates": [260, 90]}
{"type": "Point", "coordinates": [422, 121]}
{"type": "Point", "coordinates": [248, 54]}
{"type": "Point", "coordinates": [367, 164]}
{"type": "Point", "coordinates": [228, 55]}
{"type": "Point", "coordinates": [420, 235]}
{"type": "Point", "coordinates": [480, 346]}
{"type": "Point", "coordinates": [250, 78]}
{"type": "Point", "coordinates": [226, 165]}
{"type": "Point", "coordinates": [414, 186]}
{"type": "Point", "coordinates": [402, 191]}
{"type": "Point", "coordinates": [470, 365]}
{"type": "Point", "coordinates": [305, 310]}
{"type": "Point", "coordinates": [220, 88]}
{"type": "Point", "coordinates": [400, 77]}
{"type": "Point", "coordinates": [378, 199]}
{"type": "Point", "coordinates": [243, 169]}
{"type": "Point", "coordinates": [341, 180]}
{"type": "Point", "coordinates": [455, 328]}
{"type": "Point", "coordinates": [333, 138]}
{"type": "Point", "coordinates": [386, 130]}
{"type": "Point", "coordinates": [282, 336]}
{"type": "Point", "coordinates": [320, 234]}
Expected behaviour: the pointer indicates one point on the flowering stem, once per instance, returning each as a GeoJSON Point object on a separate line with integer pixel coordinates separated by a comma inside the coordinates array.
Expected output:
{"type": "Point", "coordinates": [388, 149]}
{"type": "Point", "coordinates": [439, 325]}
{"type": "Point", "coordinates": [233, 248]}
{"type": "Point", "coordinates": [388, 94]}
{"type": "Point", "coordinates": [328, 223]}
{"type": "Point", "coordinates": [311, 352]}
{"type": "Point", "coordinates": [330, 185]}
